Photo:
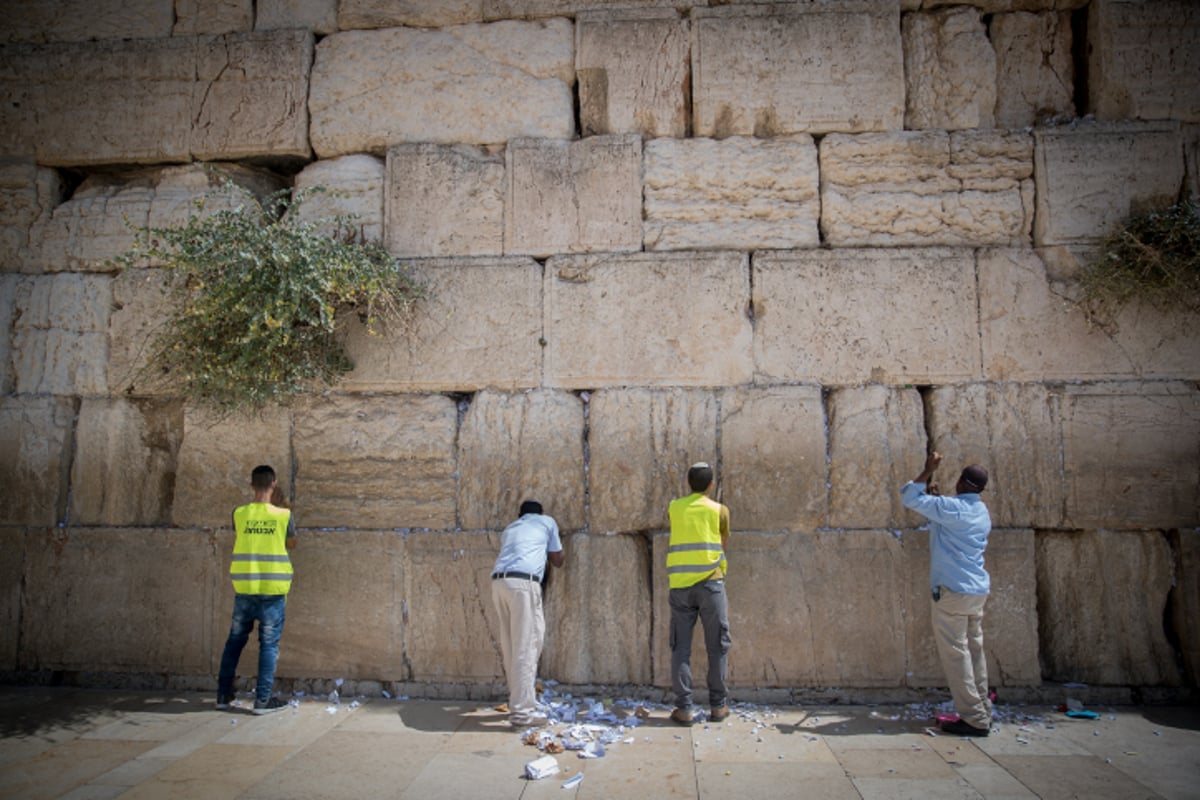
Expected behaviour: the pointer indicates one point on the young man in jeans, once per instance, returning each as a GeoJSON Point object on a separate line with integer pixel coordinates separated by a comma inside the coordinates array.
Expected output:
{"type": "Point", "coordinates": [262, 575]}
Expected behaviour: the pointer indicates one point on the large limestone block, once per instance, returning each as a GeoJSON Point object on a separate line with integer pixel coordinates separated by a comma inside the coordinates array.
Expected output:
{"type": "Point", "coordinates": [1092, 177]}
{"type": "Point", "coordinates": [111, 436]}
{"type": "Point", "coordinates": [101, 219]}
{"type": "Point", "coordinates": [119, 600]}
{"type": "Point", "coordinates": [1144, 59]}
{"type": "Point", "coordinates": [477, 326]}
{"type": "Point", "coordinates": [8, 312]}
{"type": "Point", "coordinates": [1101, 602]}
{"type": "Point", "coordinates": [797, 68]}
{"type": "Point", "coordinates": [573, 197]}
{"type": "Point", "coordinates": [1129, 451]}
{"type": "Point", "coordinates": [449, 619]}
{"type": "Point", "coordinates": [12, 571]}
{"type": "Point", "coordinates": [1191, 157]}
{"type": "Point", "coordinates": [352, 189]}
{"type": "Point", "coordinates": [354, 14]}
{"type": "Point", "coordinates": [1185, 601]}
{"type": "Point", "coordinates": [598, 612]}
{"type": "Point", "coordinates": [1015, 431]}
{"type": "Point", "coordinates": [27, 194]}
{"type": "Point", "coordinates": [318, 16]}
{"type": "Point", "coordinates": [474, 84]}
{"type": "Point", "coordinates": [140, 303]}
{"type": "Point", "coordinates": [444, 200]}
{"type": "Point", "coordinates": [798, 611]}
{"type": "Point", "coordinates": [926, 188]}
{"type": "Point", "coordinates": [193, 17]}
{"type": "Point", "coordinates": [641, 443]}
{"type": "Point", "coordinates": [376, 462]}
{"type": "Point", "coordinates": [773, 458]}
{"type": "Point", "coordinates": [876, 444]}
{"type": "Point", "coordinates": [674, 319]}
{"type": "Point", "coordinates": [634, 71]}
{"type": "Point", "coordinates": [516, 447]}
{"type": "Point", "coordinates": [1035, 330]}
{"type": "Point", "coordinates": [509, 9]}
{"type": "Point", "coordinates": [35, 436]}
{"type": "Point", "coordinates": [1010, 617]}
{"type": "Point", "coordinates": [849, 316]}
{"type": "Point", "coordinates": [735, 193]}
{"type": "Point", "coordinates": [1035, 72]}
{"type": "Point", "coordinates": [60, 337]}
{"type": "Point", "coordinates": [215, 458]}
{"type": "Point", "coordinates": [949, 70]}
{"type": "Point", "coordinates": [86, 20]}
{"type": "Point", "coordinates": [345, 612]}
{"type": "Point", "coordinates": [151, 100]}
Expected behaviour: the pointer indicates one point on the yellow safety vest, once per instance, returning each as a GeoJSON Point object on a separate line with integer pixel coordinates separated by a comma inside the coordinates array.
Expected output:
{"type": "Point", "coordinates": [694, 551]}
{"type": "Point", "coordinates": [260, 560]}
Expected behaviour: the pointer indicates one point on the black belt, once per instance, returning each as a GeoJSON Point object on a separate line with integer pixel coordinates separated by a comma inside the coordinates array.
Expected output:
{"type": "Point", "coordinates": [522, 575]}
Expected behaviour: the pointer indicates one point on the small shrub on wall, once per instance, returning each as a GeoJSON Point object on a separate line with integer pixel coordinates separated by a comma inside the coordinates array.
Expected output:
{"type": "Point", "coordinates": [257, 295]}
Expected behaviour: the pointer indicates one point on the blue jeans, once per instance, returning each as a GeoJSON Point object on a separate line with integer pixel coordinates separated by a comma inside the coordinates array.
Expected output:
{"type": "Point", "coordinates": [268, 611]}
{"type": "Point", "coordinates": [705, 600]}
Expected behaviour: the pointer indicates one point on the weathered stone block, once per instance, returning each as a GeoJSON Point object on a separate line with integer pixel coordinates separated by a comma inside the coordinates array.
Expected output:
{"type": "Point", "coordinates": [598, 612]}
{"type": "Point", "coordinates": [474, 84]}
{"type": "Point", "coordinates": [27, 194]}
{"type": "Point", "coordinates": [12, 571]}
{"type": "Point", "coordinates": [816, 633]}
{"type": "Point", "coordinates": [1101, 598]}
{"type": "Point", "coordinates": [86, 20]}
{"type": "Point", "coordinates": [1010, 618]}
{"type": "Point", "coordinates": [509, 9]}
{"type": "Point", "coordinates": [376, 462]}
{"type": "Point", "coordinates": [113, 434]}
{"type": "Point", "coordinates": [1091, 177]}
{"type": "Point", "coordinates": [354, 14]}
{"type": "Point", "coordinates": [353, 188]}
{"type": "Point", "coordinates": [93, 601]}
{"type": "Point", "coordinates": [476, 327]}
{"type": "Point", "coordinates": [1144, 59]}
{"type": "Point", "coordinates": [140, 303]}
{"type": "Point", "coordinates": [927, 188]}
{"type": "Point", "coordinates": [1015, 431]}
{"type": "Point", "coordinates": [797, 68]}
{"type": "Point", "coordinates": [572, 197]}
{"type": "Point", "coordinates": [193, 17]}
{"type": "Point", "coordinates": [773, 458]}
{"type": "Point", "coordinates": [8, 312]}
{"type": "Point", "coordinates": [318, 16]}
{"type": "Point", "coordinates": [642, 442]}
{"type": "Point", "coordinates": [1185, 601]}
{"type": "Point", "coordinates": [1129, 451]}
{"type": "Point", "coordinates": [206, 98]}
{"type": "Point", "coordinates": [799, 337]}
{"type": "Point", "coordinates": [516, 447]}
{"type": "Point", "coordinates": [35, 436]}
{"type": "Point", "coordinates": [215, 458]}
{"type": "Point", "coordinates": [735, 193]}
{"type": "Point", "coordinates": [876, 444]}
{"type": "Point", "coordinates": [1191, 157]}
{"type": "Point", "coordinates": [1035, 73]}
{"type": "Point", "coordinates": [450, 622]}
{"type": "Point", "coordinates": [633, 70]}
{"type": "Point", "coordinates": [444, 200]}
{"type": "Point", "coordinates": [949, 70]}
{"type": "Point", "coordinates": [647, 319]}
{"type": "Point", "coordinates": [60, 339]}
{"type": "Point", "coordinates": [1034, 329]}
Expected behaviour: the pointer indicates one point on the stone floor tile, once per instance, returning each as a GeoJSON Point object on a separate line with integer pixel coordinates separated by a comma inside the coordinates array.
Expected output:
{"type": "Point", "coordinates": [150, 726]}
{"type": "Point", "coordinates": [895, 764]}
{"type": "Point", "coordinates": [131, 773]}
{"type": "Point", "coordinates": [462, 774]}
{"type": "Point", "coordinates": [781, 780]}
{"type": "Point", "coordinates": [214, 772]}
{"type": "Point", "coordinates": [216, 725]}
{"type": "Point", "coordinates": [1038, 741]}
{"type": "Point", "coordinates": [1074, 776]}
{"type": "Point", "coordinates": [294, 727]}
{"type": "Point", "coordinates": [64, 767]}
{"type": "Point", "coordinates": [743, 741]}
{"type": "Point", "coordinates": [991, 781]}
{"type": "Point", "coordinates": [94, 791]}
{"type": "Point", "coordinates": [956, 751]}
{"type": "Point", "coordinates": [910, 789]}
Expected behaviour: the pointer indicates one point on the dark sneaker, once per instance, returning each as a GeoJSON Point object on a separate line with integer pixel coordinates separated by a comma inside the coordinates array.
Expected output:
{"type": "Point", "coordinates": [961, 727]}
{"type": "Point", "coordinates": [681, 716]}
{"type": "Point", "coordinates": [223, 701]}
{"type": "Point", "coordinates": [719, 713]}
{"type": "Point", "coordinates": [269, 707]}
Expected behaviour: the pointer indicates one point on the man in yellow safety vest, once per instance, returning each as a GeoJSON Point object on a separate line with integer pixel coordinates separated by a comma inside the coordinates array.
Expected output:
{"type": "Point", "coordinates": [696, 575]}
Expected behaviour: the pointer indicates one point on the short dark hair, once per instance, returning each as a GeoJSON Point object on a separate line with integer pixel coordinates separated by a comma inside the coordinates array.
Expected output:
{"type": "Point", "coordinates": [531, 507]}
{"type": "Point", "coordinates": [262, 476]}
{"type": "Point", "coordinates": [700, 476]}
{"type": "Point", "coordinates": [974, 478]}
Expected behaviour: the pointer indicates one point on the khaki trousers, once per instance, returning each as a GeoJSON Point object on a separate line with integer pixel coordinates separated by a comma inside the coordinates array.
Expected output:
{"type": "Point", "coordinates": [958, 629]}
{"type": "Point", "coordinates": [518, 603]}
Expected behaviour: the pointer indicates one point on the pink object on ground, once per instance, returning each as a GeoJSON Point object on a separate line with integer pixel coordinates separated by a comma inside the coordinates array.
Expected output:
{"type": "Point", "coordinates": [947, 717]}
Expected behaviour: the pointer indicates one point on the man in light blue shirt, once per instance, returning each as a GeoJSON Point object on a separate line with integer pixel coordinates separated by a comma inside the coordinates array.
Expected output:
{"type": "Point", "coordinates": [525, 546]}
{"type": "Point", "coordinates": [958, 534]}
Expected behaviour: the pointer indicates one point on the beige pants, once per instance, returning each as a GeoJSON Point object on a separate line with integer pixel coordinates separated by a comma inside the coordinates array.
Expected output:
{"type": "Point", "coordinates": [958, 629]}
{"type": "Point", "coordinates": [518, 603]}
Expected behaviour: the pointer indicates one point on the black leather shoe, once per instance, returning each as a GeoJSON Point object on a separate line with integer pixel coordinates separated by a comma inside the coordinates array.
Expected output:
{"type": "Point", "coordinates": [963, 728]}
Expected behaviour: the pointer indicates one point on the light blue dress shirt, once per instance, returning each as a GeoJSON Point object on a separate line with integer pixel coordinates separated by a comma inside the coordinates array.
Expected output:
{"type": "Point", "coordinates": [958, 533]}
{"type": "Point", "coordinates": [524, 545]}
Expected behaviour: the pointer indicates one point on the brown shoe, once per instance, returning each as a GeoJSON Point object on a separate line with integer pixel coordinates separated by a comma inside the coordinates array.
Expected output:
{"type": "Point", "coordinates": [719, 713]}
{"type": "Point", "coordinates": [681, 716]}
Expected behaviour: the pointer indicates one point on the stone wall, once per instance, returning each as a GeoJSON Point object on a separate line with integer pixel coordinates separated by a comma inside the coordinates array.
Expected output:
{"type": "Point", "coordinates": [806, 242]}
